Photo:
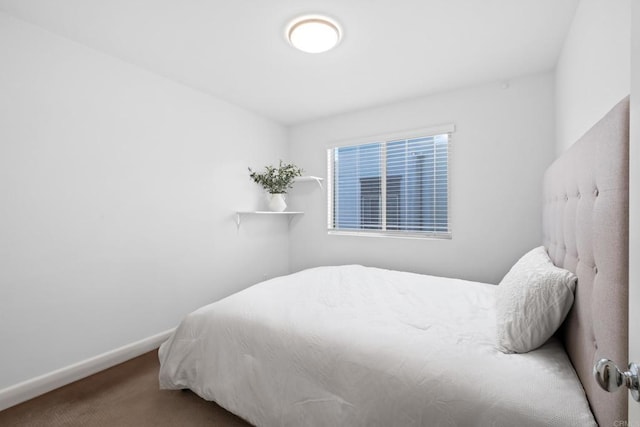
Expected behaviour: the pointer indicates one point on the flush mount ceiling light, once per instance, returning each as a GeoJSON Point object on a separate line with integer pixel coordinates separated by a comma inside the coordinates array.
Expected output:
{"type": "Point", "coordinates": [314, 33]}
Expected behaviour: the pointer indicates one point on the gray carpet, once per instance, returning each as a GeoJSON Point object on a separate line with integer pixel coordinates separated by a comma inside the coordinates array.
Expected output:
{"type": "Point", "coordinates": [125, 395]}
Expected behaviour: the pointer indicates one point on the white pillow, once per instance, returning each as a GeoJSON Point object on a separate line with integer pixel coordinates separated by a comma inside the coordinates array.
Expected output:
{"type": "Point", "coordinates": [532, 301]}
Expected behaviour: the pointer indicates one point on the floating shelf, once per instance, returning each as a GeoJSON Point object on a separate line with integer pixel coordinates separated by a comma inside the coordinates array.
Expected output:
{"type": "Point", "coordinates": [286, 214]}
{"type": "Point", "coordinates": [310, 178]}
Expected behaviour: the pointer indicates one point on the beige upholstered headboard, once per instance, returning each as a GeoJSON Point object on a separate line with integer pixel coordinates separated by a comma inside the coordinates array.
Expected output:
{"type": "Point", "coordinates": [585, 226]}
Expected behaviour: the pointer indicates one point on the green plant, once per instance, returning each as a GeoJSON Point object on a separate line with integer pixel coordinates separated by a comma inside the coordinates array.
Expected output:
{"type": "Point", "coordinates": [276, 180]}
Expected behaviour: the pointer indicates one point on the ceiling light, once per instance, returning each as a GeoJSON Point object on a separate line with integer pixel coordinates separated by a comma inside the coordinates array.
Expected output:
{"type": "Point", "coordinates": [314, 34]}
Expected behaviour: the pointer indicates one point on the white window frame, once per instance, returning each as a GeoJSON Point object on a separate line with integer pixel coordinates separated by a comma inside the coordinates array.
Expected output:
{"type": "Point", "coordinates": [389, 137]}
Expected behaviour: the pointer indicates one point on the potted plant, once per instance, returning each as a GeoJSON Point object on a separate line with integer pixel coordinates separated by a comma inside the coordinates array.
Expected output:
{"type": "Point", "coordinates": [276, 180]}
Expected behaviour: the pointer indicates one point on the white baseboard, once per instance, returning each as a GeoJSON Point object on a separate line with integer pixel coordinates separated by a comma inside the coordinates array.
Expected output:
{"type": "Point", "coordinates": [29, 389]}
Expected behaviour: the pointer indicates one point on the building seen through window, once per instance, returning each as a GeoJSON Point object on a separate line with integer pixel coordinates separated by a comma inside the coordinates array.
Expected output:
{"type": "Point", "coordinates": [399, 185]}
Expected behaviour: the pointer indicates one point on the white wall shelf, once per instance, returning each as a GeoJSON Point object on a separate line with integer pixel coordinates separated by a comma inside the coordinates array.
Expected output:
{"type": "Point", "coordinates": [285, 214]}
{"type": "Point", "coordinates": [310, 178]}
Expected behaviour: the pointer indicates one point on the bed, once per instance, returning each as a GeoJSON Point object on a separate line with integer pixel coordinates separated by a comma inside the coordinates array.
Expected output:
{"type": "Point", "coordinates": [363, 346]}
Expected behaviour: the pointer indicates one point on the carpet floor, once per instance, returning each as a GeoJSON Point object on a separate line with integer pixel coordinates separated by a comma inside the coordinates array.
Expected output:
{"type": "Point", "coordinates": [125, 395]}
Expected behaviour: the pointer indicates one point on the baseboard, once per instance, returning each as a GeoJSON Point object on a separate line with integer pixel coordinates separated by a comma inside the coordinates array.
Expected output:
{"type": "Point", "coordinates": [34, 387]}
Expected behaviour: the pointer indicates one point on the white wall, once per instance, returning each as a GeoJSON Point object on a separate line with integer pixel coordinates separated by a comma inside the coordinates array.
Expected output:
{"type": "Point", "coordinates": [117, 192]}
{"type": "Point", "coordinates": [593, 71]}
{"type": "Point", "coordinates": [503, 142]}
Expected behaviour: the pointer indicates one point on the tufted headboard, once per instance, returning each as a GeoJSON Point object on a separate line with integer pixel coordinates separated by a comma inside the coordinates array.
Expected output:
{"type": "Point", "coordinates": [585, 227]}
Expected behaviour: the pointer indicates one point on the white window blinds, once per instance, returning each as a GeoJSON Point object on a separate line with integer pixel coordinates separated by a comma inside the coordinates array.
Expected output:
{"type": "Point", "coordinates": [396, 186]}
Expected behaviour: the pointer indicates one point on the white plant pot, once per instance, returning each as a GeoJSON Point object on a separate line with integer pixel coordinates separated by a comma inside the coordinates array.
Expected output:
{"type": "Point", "coordinates": [276, 202]}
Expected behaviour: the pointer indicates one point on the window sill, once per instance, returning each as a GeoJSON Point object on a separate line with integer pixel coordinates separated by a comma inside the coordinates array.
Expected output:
{"type": "Point", "coordinates": [392, 234]}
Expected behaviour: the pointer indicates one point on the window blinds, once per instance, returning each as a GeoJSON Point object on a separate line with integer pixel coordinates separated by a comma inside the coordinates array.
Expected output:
{"type": "Point", "coordinates": [397, 186]}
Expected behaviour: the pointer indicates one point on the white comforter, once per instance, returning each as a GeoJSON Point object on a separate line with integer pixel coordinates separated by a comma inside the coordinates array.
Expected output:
{"type": "Point", "coordinates": [358, 346]}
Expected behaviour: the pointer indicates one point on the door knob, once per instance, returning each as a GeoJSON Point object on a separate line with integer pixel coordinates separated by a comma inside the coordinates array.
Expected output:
{"type": "Point", "coordinates": [610, 378]}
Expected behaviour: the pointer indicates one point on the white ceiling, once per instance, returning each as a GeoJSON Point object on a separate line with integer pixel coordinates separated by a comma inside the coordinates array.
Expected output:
{"type": "Point", "coordinates": [391, 50]}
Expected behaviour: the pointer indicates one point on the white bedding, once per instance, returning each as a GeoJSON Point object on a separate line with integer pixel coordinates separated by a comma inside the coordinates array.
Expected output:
{"type": "Point", "coordinates": [358, 346]}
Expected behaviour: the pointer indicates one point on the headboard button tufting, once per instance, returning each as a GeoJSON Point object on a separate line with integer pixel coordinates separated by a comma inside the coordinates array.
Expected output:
{"type": "Point", "coordinates": [600, 306]}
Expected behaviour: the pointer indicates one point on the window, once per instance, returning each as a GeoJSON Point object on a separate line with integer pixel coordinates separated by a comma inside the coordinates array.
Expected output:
{"type": "Point", "coordinates": [393, 186]}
